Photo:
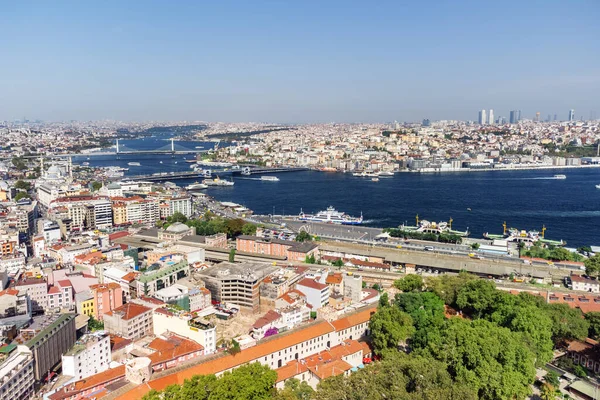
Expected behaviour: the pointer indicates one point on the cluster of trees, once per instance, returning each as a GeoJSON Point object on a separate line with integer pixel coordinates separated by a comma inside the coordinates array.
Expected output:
{"type": "Point", "coordinates": [493, 352]}
{"type": "Point", "coordinates": [19, 163]}
{"type": "Point", "coordinates": [303, 236]}
{"type": "Point", "coordinates": [432, 237]}
{"type": "Point", "coordinates": [592, 265]}
{"type": "Point", "coordinates": [552, 253]}
{"type": "Point", "coordinates": [210, 224]}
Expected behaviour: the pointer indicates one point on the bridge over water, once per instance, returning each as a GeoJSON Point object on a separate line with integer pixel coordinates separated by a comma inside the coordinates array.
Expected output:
{"type": "Point", "coordinates": [169, 176]}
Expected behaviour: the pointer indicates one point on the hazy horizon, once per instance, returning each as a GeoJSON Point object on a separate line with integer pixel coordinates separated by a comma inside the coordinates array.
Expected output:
{"type": "Point", "coordinates": [300, 62]}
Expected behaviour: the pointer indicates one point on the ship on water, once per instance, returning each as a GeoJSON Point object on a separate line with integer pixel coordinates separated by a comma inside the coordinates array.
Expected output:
{"type": "Point", "coordinates": [269, 178]}
{"type": "Point", "coordinates": [425, 226]}
{"type": "Point", "coordinates": [196, 186]}
{"type": "Point", "coordinates": [523, 236]}
{"type": "Point", "coordinates": [331, 216]}
{"type": "Point", "coordinates": [134, 164]}
{"type": "Point", "coordinates": [217, 182]}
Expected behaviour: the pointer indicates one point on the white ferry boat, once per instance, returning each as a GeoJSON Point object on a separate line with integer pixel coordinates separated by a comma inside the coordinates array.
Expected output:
{"type": "Point", "coordinates": [134, 164]}
{"type": "Point", "coordinates": [269, 178]}
{"type": "Point", "coordinates": [196, 186]}
{"type": "Point", "coordinates": [598, 186]}
{"type": "Point", "coordinates": [331, 216]}
{"type": "Point", "coordinates": [560, 176]}
{"type": "Point", "coordinates": [217, 182]}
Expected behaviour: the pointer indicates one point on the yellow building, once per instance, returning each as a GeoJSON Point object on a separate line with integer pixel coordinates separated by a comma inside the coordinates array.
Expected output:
{"type": "Point", "coordinates": [88, 307]}
{"type": "Point", "coordinates": [119, 214]}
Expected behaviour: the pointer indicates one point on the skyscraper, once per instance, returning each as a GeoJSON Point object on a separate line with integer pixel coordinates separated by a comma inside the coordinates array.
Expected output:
{"type": "Point", "coordinates": [571, 115]}
{"type": "Point", "coordinates": [482, 117]}
{"type": "Point", "coordinates": [491, 117]}
{"type": "Point", "coordinates": [518, 115]}
{"type": "Point", "coordinates": [513, 117]}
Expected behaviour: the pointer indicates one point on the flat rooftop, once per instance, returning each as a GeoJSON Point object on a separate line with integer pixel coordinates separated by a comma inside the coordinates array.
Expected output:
{"type": "Point", "coordinates": [258, 270]}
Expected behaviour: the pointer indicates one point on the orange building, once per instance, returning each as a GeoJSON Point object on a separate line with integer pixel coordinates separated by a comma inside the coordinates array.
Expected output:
{"type": "Point", "coordinates": [107, 297]}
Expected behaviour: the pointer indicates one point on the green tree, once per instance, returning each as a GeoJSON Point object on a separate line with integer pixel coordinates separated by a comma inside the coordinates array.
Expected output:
{"type": "Point", "coordinates": [594, 320]}
{"type": "Point", "coordinates": [19, 164]}
{"type": "Point", "coordinates": [310, 259]}
{"type": "Point", "coordinates": [249, 229]}
{"type": "Point", "coordinates": [427, 312]}
{"type": "Point", "coordinates": [476, 297]}
{"type": "Point", "coordinates": [567, 323]}
{"type": "Point", "coordinates": [235, 347]}
{"type": "Point", "coordinates": [94, 324]}
{"type": "Point", "coordinates": [234, 227]}
{"type": "Point", "coordinates": [251, 381]}
{"type": "Point", "coordinates": [96, 186]}
{"type": "Point", "coordinates": [580, 371]}
{"type": "Point", "coordinates": [551, 378]}
{"type": "Point", "coordinates": [592, 265]}
{"type": "Point", "coordinates": [448, 286]}
{"type": "Point", "coordinates": [21, 195]}
{"type": "Point", "coordinates": [547, 392]}
{"type": "Point", "coordinates": [232, 255]}
{"type": "Point", "coordinates": [177, 217]}
{"type": "Point", "coordinates": [293, 389]}
{"type": "Point", "coordinates": [303, 236]}
{"type": "Point", "coordinates": [338, 263]}
{"type": "Point", "coordinates": [389, 326]}
{"type": "Point", "coordinates": [475, 246]}
{"type": "Point", "coordinates": [409, 283]}
{"type": "Point", "coordinates": [20, 184]}
{"type": "Point", "coordinates": [491, 359]}
{"type": "Point", "coordinates": [384, 300]}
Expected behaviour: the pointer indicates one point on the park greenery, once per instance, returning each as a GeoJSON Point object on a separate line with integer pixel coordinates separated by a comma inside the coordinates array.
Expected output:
{"type": "Point", "coordinates": [446, 337]}
{"type": "Point", "coordinates": [303, 236]}
{"type": "Point", "coordinates": [552, 253]}
{"type": "Point", "coordinates": [432, 237]}
{"type": "Point", "coordinates": [592, 265]}
{"type": "Point", "coordinates": [210, 224]}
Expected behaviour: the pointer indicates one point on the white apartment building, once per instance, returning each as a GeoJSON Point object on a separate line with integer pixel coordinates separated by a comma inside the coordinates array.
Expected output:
{"type": "Point", "coordinates": [317, 294]}
{"type": "Point", "coordinates": [61, 295]}
{"type": "Point", "coordinates": [16, 375]}
{"type": "Point", "coordinates": [202, 332]}
{"type": "Point", "coordinates": [89, 356]}
{"type": "Point", "coordinates": [180, 204]}
{"type": "Point", "coordinates": [92, 211]}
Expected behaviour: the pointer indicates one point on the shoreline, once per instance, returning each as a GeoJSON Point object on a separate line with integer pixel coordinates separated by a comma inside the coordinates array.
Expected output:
{"type": "Point", "coordinates": [435, 171]}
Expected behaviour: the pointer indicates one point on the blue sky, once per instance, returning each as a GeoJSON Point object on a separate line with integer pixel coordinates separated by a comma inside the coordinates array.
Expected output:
{"type": "Point", "coordinates": [300, 61]}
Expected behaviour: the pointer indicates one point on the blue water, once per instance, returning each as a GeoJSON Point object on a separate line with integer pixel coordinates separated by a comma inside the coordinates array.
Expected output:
{"type": "Point", "coordinates": [569, 208]}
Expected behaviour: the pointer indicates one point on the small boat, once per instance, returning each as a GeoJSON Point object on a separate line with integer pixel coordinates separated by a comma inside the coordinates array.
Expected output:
{"type": "Point", "coordinates": [199, 147]}
{"type": "Point", "coordinates": [85, 164]}
{"type": "Point", "coordinates": [175, 162]}
{"type": "Point", "coordinates": [269, 178]}
{"type": "Point", "coordinates": [375, 179]}
{"type": "Point", "coordinates": [560, 176]}
{"type": "Point", "coordinates": [598, 186]}
{"type": "Point", "coordinates": [468, 208]}
{"type": "Point", "coordinates": [134, 164]}
{"type": "Point", "coordinates": [160, 162]}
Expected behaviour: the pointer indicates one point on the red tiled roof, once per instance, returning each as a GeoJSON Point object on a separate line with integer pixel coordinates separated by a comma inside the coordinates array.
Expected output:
{"type": "Point", "coordinates": [129, 310]}
{"type": "Point", "coordinates": [174, 347]}
{"type": "Point", "coordinates": [311, 283]}
{"type": "Point", "coordinates": [354, 319]}
{"type": "Point", "coordinates": [64, 283]}
{"type": "Point", "coordinates": [266, 319]}
{"type": "Point", "coordinates": [118, 235]}
{"type": "Point", "coordinates": [334, 279]}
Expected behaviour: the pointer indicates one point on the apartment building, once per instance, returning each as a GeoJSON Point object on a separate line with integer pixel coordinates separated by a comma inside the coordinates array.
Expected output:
{"type": "Point", "coordinates": [51, 337]}
{"type": "Point", "coordinates": [105, 297]}
{"type": "Point", "coordinates": [89, 356]}
{"type": "Point", "coordinates": [60, 296]}
{"type": "Point", "coordinates": [317, 294]}
{"type": "Point", "coordinates": [131, 321]}
{"type": "Point", "coordinates": [16, 373]}
{"type": "Point", "coordinates": [190, 299]}
{"type": "Point", "coordinates": [85, 211]}
{"type": "Point", "coordinates": [237, 283]}
{"type": "Point", "coordinates": [585, 284]}
{"type": "Point", "coordinates": [37, 290]}
{"type": "Point", "coordinates": [133, 210]}
{"type": "Point", "coordinates": [180, 204]}
{"type": "Point", "coordinates": [183, 324]}
{"type": "Point", "coordinates": [168, 274]}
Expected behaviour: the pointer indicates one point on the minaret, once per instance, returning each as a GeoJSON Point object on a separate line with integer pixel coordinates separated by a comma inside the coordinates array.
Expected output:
{"type": "Point", "coordinates": [70, 167]}
{"type": "Point", "coordinates": [41, 166]}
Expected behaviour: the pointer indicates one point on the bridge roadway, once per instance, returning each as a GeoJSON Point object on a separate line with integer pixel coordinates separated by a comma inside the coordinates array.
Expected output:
{"type": "Point", "coordinates": [452, 262]}
{"type": "Point", "coordinates": [168, 176]}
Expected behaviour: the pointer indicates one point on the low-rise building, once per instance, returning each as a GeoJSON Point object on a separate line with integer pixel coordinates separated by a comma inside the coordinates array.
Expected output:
{"type": "Point", "coordinates": [166, 275]}
{"type": "Point", "coordinates": [105, 297]}
{"type": "Point", "coordinates": [317, 293]}
{"type": "Point", "coordinates": [131, 321]}
{"type": "Point", "coordinates": [190, 299]}
{"type": "Point", "coordinates": [293, 251]}
{"type": "Point", "coordinates": [183, 324]}
{"type": "Point", "coordinates": [585, 284]}
{"type": "Point", "coordinates": [37, 290]}
{"type": "Point", "coordinates": [90, 355]}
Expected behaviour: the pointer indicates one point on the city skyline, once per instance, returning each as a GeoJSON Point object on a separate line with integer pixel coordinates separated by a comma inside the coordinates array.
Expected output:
{"type": "Point", "coordinates": [309, 63]}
